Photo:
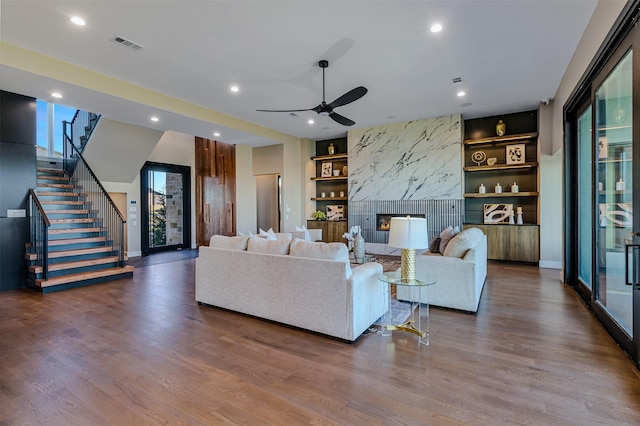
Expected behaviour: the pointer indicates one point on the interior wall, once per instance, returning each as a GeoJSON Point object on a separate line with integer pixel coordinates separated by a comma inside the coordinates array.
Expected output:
{"type": "Point", "coordinates": [551, 169]}
{"type": "Point", "coordinates": [246, 207]}
{"type": "Point", "coordinates": [173, 148]}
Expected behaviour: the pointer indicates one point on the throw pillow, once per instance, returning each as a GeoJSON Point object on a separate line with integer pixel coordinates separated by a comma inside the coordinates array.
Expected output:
{"type": "Point", "coordinates": [319, 250]}
{"type": "Point", "coordinates": [434, 245]}
{"type": "Point", "coordinates": [446, 235]}
{"type": "Point", "coordinates": [270, 235]}
{"type": "Point", "coordinates": [229, 243]}
{"type": "Point", "coordinates": [460, 244]}
{"type": "Point", "coordinates": [263, 245]}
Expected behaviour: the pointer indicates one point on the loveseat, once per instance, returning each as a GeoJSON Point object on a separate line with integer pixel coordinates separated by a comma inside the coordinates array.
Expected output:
{"type": "Point", "coordinates": [460, 272]}
{"type": "Point", "coordinates": [309, 285]}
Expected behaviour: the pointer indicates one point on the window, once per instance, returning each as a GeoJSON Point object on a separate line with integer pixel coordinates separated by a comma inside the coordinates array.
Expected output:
{"type": "Point", "coordinates": [49, 129]}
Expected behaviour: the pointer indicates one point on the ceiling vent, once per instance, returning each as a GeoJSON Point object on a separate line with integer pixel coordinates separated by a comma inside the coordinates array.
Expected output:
{"type": "Point", "coordinates": [456, 80]}
{"type": "Point", "coordinates": [128, 43]}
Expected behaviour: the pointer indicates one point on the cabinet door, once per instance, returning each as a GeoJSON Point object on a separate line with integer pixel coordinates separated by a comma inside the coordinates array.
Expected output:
{"type": "Point", "coordinates": [511, 242]}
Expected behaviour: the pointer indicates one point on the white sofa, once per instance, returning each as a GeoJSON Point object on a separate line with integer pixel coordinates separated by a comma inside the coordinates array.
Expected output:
{"type": "Point", "coordinates": [460, 272]}
{"type": "Point", "coordinates": [304, 284]}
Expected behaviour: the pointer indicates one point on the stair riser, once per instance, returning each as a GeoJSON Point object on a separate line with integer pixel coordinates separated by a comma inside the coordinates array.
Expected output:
{"type": "Point", "coordinates": [74, 225]}
{"type": "Point", "coordinates": [78, 246]}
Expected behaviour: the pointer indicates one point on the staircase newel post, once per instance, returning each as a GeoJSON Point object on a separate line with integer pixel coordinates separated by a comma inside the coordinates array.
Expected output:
{"type": "Point", "coordinates": [121, 242]}
{"type": "Point", "coordinates": [45, 251]}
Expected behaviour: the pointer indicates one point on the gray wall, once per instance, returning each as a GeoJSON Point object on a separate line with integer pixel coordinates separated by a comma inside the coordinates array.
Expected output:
{"type": "Point", "coordinates": [17, 175]}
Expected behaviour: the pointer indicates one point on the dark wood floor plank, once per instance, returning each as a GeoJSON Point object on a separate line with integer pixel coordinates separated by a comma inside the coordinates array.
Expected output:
{"type": "Point", "coordinates": [142, 351]}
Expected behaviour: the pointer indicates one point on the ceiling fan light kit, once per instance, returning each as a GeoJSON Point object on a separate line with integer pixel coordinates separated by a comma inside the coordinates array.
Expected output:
{"type": "Point", "coordinates": [326, 109]}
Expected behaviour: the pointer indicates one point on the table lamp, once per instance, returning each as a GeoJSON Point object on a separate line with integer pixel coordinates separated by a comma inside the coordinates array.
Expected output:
{"type": "Point", "coordinates": [408, 234]}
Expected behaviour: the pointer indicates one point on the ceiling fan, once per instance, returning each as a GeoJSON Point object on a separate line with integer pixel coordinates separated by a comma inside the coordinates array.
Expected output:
{"type": "Point", "coordinates": [327, 108]}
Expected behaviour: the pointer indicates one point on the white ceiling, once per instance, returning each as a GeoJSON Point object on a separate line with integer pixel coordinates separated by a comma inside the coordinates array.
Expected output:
{"type": "Point", "coordinates": [509, 54]}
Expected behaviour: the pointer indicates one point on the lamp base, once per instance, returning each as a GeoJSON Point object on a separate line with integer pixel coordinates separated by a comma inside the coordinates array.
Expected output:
{"type": "Point", "coordinates": [408, 264]}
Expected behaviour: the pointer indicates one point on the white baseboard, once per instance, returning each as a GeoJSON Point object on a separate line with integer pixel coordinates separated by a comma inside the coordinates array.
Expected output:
{"type": "Point", "coordinates": [134, 253]}
{"type": "Point", "coordinates": [550, 264]}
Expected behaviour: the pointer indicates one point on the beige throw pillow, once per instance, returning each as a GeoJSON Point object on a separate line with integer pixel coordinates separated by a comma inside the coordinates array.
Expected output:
{"type": "Point", "coordinates": [262, 245]}
{"type": "Point", "coordinates": [229, 243]}
{"type": "Point", "coordinates": [446, 235]}
{"type": "Point", "coordinates": [460, 244]}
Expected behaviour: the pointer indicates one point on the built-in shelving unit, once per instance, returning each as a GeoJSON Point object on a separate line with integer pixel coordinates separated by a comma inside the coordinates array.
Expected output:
{"type": "Point", "coordinates": [487, 163]}
{"type": "Point", "coordinates": [331, 186]}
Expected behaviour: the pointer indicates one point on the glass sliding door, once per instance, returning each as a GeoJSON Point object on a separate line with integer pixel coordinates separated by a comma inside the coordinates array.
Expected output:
{"type": "Point", "coordinates": [614, 137]}
{"type": "Point", "coordinates": [165, 207]}
{"type": "Point", "coordinates": [585, 199]}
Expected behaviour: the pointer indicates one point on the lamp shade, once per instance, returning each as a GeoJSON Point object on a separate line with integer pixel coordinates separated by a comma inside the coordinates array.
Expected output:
{"type": "Point", "coordinates": [408, 233]}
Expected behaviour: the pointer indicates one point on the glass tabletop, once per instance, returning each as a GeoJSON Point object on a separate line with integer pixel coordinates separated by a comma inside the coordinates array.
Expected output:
{"type": "Point", "coordinates": [395, 278]}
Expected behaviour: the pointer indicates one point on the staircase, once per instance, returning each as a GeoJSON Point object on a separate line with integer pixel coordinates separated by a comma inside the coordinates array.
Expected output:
{"type": "Point", "coordinates": [79, 250]}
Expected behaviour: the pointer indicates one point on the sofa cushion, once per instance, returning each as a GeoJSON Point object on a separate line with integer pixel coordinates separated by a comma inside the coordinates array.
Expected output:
{"type": "Point", "coordinates": [446, 235]}
{"type": "Point", "coordinates": [320, 250]}
{"type": "Point", "coordinates": [270, 235]}
{"type": "Point", "coordinates": [461, 243]}
{"type": "Point", "coordinates": [229, 243]}
{"type": "Point", "coordinates": [262, 245]}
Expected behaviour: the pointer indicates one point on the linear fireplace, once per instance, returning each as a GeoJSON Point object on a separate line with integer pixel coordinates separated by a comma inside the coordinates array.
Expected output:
{"type": "Point", "coordinates": [384, 220]}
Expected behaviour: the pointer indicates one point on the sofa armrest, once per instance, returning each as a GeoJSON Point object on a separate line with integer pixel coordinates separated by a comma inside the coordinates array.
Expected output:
{"type": "Point", "coordinates": [370, 296]}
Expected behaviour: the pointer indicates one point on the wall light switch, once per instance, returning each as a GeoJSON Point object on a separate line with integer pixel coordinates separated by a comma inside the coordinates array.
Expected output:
{"type": "Point", "coordinates": [16, 213]}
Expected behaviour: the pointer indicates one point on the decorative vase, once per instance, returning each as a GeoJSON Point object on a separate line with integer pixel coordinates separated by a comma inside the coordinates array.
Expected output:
{"type": "Point", "coordinates": [519, 220]}
{"type": "Point", "coordinates": [331, 149]}
{"type": "Point", "coordinates": [501, 128]}
{"type": "Point", "coordinates": [358, 248]}
{"type": "Point", "coordinates": [345, 169]}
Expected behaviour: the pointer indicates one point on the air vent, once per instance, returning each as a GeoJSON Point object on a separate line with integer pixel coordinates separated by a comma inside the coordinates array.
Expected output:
{"type": "Point", "coordinates": [127, 43]}
{"type": "Point", "coordinates": [456, 80]}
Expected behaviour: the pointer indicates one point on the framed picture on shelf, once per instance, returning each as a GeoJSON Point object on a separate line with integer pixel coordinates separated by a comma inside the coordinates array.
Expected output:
{"type": "Point", "coordinates": [515, 154]}
{"type": "Point", "coordinates": [497, 213]}
{"type": "Point", "coordinates": [603, 147]}
{"type": "Point", "coordinates": [335, 212]}
{"type": "Point", "coordinates": [327, 169]}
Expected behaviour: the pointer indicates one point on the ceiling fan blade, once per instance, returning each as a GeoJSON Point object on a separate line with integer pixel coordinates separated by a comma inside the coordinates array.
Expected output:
{"type": "Point", "coordinates": [341, 119]}
{"type": "Point", "coordinates": [350, 96]}
{"type": "Point", "coordinates": [285, 110]}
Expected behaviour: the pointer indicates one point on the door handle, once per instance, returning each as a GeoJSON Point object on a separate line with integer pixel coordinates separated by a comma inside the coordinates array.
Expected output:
{"type": "Point", "coordinates": [632, 259]}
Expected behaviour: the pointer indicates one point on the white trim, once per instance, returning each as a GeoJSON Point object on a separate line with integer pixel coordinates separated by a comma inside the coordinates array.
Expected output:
{"type": "Point", "coordinates": [550, 264]}
{"type": "Point", "coordinates": [134, 254]}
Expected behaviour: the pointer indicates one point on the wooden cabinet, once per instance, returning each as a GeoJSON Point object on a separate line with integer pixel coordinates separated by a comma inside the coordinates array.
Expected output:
{"type": "Point", "coordinates": [519, 243]}
{"type": "Point", "coordinates": [512, 158]}
{"type": "Point", "coordinates": [332, 231]}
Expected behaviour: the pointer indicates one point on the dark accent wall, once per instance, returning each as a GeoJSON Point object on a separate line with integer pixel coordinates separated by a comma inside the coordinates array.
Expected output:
{"type": "Point", "coordinates": [17, 175]}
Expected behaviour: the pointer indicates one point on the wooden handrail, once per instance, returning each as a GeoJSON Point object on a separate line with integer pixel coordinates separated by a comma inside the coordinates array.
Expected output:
{"type": "Point", "coordinates": [40, 208]}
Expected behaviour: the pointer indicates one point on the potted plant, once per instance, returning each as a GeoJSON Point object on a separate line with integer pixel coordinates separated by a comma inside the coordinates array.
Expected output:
{"type": "Point", "coordinates": [319, 215]}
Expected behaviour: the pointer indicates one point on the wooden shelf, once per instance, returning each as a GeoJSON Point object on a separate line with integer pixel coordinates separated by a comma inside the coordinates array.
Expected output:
{"type": "Point", "coordinates": [502, 139]}
{"type": "Point", "coordinates": [329, 178]}
{"type": "Point", "coordinates": [501, 194]}
{"type": "Point", "coordinates": [329, 198]}
{"type": "Point", "coordinates": [330, 157]}
{"type": "Point", "coordinates": [501, 167]}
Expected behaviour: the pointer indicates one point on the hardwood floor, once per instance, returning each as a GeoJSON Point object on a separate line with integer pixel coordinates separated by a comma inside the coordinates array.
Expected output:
{"type": "Point", "coordinates": [142, 351]}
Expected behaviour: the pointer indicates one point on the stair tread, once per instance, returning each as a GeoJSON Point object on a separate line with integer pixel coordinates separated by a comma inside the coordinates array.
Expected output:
{"type": "Point", "coordinates": [55, 185]}
{"type": "Point", "coordinates": [83, 276]}
{"type": "Point", "coordinates": [73, 231]}
{"type": "Point", "coordinates": [47, 170]}
{"type": "Point", "coordinates": [76, 211]}
{"type": "Point", "coordinates": [74, 252]}
{"type": "Point", "coordinates": [78, 220]}
{"type": "Point", "coordinates": [58, 194]}
{"type": "Point", "coordinates": [65, 202]}
{"type": "Point", "coordinates": [52, 177]}
{"type": "Point", "coordinates": [74, 264]}
{"type": "Point", "coordinates": [76, 241]}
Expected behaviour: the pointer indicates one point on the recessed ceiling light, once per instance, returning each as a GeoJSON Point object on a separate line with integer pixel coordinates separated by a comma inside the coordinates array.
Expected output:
{"type": "Point", "coordinates": [436, 28]}
{"type": "Point", "coordinates": [235, 89]}
{"type": "Point", "coordinates": [461, 93]}
{"type": "Point", "coordinates": [155, 119]}
{"type": "Point", "coordinates": [216, 134]}
{"type": "Point", "coordinates": [310, 121]}
{"type": "Point", "coordinates": [56, 95]}
{"type": "Point", "coordinates": [78, 21]}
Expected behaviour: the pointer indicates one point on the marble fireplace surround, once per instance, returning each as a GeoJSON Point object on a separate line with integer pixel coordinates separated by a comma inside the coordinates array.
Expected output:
{"type": "Point", "coordinates": [406, 168]}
